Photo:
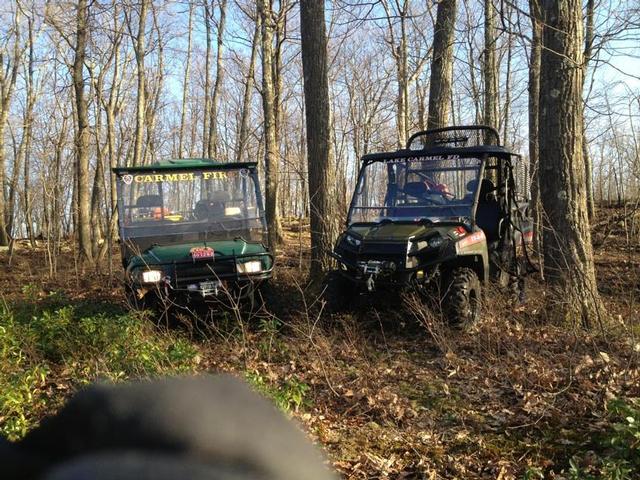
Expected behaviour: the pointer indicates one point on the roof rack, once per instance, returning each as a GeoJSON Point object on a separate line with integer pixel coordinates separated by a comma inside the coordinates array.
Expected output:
{"type": "Point", "coordinates": [454, 137]}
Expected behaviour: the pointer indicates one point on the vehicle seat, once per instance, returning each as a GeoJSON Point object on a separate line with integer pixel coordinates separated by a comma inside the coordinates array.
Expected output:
{"type": "Point", "coordinates": [488, 212]}
{"type": "Point", "coordinates": [211, 207]}
{"type": "Point", "coordinates": [415, 189]}
{"type": "Point", "coordinates": [148, 201]}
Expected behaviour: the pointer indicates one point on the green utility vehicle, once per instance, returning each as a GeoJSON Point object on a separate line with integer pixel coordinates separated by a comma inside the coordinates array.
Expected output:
{"type": "Point", "coordinates": [192, 229]}
{"type": "Point", "coordinates": [445, 215]}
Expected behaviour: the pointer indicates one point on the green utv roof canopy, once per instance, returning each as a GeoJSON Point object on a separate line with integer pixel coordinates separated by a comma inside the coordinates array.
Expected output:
{"type": "Point", "coordinates": [186, 164]}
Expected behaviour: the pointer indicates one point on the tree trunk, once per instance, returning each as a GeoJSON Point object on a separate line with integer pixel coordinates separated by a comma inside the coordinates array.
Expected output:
{"type": "Point", "coordinates": [490, 70]}
{"type": "Point", "coordinates": [82, 137]}
{"type": "Point", "coordinates": [212, 149]}
{"type": "Point", "coordinates": [8, 76]}
{"type": "Point", "coordinates": [141, 103]}
{"type": "Point", "coordinates": [402, 68]}
{"type": "Point", "coordinates": [28, 134]}
{"type": "Point", "coordinates": [185, 85]}
{"type": "Point", "coordinates": [588, 51]}
{"type": "Point", "coordinates": [243, 133]}
{"type": "Point", "coordinates": [568, 255]}
{"type": "Point", "coordinates": [534, 106]}
{"type": "Point", "coordinates": [442, 65]}
{"type": "Point", "coordinates": [207, 79]}
{"type": "Point", "coordinates": [154, 94]}
{"type": "Point", "coordinates": [269, 109]}
{"type": "Point", "coordinates": [321, 165]}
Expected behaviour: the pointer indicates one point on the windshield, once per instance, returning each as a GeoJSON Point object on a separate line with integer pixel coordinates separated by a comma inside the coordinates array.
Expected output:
{"type": "Point", "coordinates": [409, 189]}
{"type": "Point", "coordinates": [189, 205]}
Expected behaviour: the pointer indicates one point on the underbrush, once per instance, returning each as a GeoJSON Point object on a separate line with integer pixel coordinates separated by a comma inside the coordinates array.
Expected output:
{"type": "Point", "coordinates": [390, 391]}
{"type": "Point", "coordinates": [48, 350]}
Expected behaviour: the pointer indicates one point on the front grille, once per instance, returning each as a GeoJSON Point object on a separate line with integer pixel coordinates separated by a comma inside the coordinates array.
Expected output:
{"type": "Point", "coordinates": [394, 252]}
{"type": "Point", "coordinates": [197, 271]}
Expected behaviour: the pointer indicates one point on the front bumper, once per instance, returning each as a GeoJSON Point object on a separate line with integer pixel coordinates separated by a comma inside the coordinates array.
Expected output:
{"type": "Point", "coordinates": [206, 278]}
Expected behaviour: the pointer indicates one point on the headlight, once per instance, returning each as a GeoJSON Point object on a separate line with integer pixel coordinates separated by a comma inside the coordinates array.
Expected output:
{"type": "Point", "coordinates": [351, 240]}
{"type": "Point", "coordinates": [151, 276]}
{"type": "Point", "coordinates": [254, 266]}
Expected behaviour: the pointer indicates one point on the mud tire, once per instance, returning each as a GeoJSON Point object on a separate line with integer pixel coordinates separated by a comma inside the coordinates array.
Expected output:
{"type": "Point", "coordinates": [463, 297]}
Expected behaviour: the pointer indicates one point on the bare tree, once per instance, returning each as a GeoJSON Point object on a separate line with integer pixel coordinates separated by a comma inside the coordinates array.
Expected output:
{"type": "Point", "coordinates": [568, 256]}
{"type": "Point", "coordinates": [490, 69]}
{"type": "Point", "coordinates": [9, 65]}
{"type": "Point", "coordinates": [212, 145]}
{"type": "Point", "coordinates": [269, 110]}
{"type": "Point", "coordinates": [139, 48]}
{"type": "Point", "coordinates": [588, 52]}
{"type": "Point", "coordinates": [243, 130]}
{"type": "Point", "coordinates": [442, 65]}
{"type": "Point", "coordinates": [321, 168]}
{"type": "Point", "coordinates": [534, 111]}
{"type": "Point", "coordinates": [185, 83]}
{"type": "Point", "coordinates": [82, 136]}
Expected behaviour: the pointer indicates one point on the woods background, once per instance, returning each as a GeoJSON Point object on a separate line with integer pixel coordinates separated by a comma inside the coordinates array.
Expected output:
{"type": "Point", "coordinates": [89, 85]}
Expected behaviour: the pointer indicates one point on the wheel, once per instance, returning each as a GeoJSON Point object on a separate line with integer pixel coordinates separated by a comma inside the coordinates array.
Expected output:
{"type": "Point", "coordinates": [337, 292]}
{"type": "Point", "coordinates": [463, 298]}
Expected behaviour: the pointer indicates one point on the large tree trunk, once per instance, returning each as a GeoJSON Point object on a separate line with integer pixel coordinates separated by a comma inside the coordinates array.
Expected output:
{"type": "Point", "coordinates": [568, 255]}
{"type": "Point", "coordinates": [269, 109]}
{"type": "Point", "coordinates": [442, 65]}
{"type": "Point", "coordinates": [321, 165]}
{"type": "Point", "coordinates": [212, 149]}
{"type": "Point", "coordinates": [490, 69]}
{"type": "Point", "coordinates": [82, 137]}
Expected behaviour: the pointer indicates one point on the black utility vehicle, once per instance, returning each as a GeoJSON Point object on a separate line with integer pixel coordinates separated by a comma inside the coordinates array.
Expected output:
{"type": "Point", "coordinates": [446, 215]}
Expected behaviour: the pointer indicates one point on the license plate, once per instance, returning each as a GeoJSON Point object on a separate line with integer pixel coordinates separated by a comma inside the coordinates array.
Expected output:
{"type": "Point", "coordinates": [198, 253]}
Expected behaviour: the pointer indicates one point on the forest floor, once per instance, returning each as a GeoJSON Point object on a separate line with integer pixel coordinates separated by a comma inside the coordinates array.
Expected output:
{"type": "Point", "coordinates": [387, 392]}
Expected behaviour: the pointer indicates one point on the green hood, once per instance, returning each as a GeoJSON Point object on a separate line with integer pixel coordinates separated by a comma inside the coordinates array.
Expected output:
{"type": "Point", "coordinates": [159, 255]}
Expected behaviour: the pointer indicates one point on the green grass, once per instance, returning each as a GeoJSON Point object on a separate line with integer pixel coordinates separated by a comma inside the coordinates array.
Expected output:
{"type": "Point", "coordinates": [287, 396]}
{"type": "Point", "coordinates": [47, 351]}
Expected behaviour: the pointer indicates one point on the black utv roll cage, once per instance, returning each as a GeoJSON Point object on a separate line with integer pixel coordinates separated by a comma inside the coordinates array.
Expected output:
{"type": "Point", "coordinates": [456, 137]}
{"type": "Point", "coordinates": [462, 140]}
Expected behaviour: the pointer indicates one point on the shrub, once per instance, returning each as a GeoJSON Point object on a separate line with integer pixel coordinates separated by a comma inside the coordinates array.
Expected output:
{"type": "Point", "coordinates": [80, 349]}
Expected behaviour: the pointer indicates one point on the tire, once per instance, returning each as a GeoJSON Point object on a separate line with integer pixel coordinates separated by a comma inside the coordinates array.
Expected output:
{"type": "Point", "coordinates": [463, 297]}
{"type": "Point", "coordinates": [337, 292]}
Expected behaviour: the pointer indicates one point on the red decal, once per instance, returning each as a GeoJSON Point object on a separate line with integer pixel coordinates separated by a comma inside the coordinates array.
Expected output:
{"type": "Point", "coordinates": [476, 237]}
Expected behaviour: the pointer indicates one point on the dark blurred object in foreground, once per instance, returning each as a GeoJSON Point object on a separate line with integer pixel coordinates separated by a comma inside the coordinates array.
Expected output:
{"type": "Point", "coordinates": [183, 428]}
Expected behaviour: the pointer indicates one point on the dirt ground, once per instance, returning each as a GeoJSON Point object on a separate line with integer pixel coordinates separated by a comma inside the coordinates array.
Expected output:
{"type": "Point", "coordinates": [391, 393]}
